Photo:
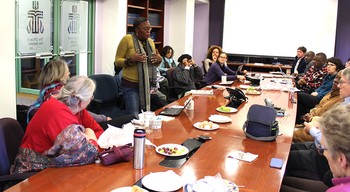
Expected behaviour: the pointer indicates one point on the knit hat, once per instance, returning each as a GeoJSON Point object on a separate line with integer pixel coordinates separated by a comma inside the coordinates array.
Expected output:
{"type": "Point", "coordinates": [184, 56]}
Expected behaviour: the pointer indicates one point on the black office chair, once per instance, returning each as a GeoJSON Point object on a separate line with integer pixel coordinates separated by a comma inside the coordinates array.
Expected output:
{"type": "Point", "coordinates": [11, 134]}
{"type": "Point", "coordinates": [107, 98]}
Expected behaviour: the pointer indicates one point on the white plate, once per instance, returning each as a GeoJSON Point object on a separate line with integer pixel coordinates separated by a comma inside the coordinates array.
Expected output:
{"type": "Point", "coordinates": [226, 83]}
{"type": "Point", "coordinates": [163, 181]}
{"type": "Point", "coordinates": [181, 150]}
{"type": "Point", "coordinates": [126, 189]}
{"type": "Point", "coordinates": [232, 110]}
{"type": "Point", "coordinates": [244, 86]}
{"type": "Point", "coordinates": [220, 119]}
{"type": "Point", "coordinates": [253, 93]}
{"type": "Point", "coordinates": [198, 126]}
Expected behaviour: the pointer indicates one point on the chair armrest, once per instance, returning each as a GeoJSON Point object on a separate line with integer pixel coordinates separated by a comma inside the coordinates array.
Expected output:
{"type": "Point", "coordinates": [95, 106]}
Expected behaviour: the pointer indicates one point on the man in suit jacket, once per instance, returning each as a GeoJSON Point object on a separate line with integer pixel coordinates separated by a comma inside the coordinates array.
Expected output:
{"type": "Point", "coordinates": [299, 63]}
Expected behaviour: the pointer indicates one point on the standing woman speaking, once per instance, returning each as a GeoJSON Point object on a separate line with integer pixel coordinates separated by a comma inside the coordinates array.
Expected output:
{"type": "Point", "coordinates": [137, 55]}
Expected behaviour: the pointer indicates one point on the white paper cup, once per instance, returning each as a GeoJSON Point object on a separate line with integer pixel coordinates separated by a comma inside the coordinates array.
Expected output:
{"type": "Point", "coordinates": [223, 79]}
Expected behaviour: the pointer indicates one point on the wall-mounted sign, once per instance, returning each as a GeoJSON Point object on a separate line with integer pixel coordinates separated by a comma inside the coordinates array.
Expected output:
{"type": "Point", "coordinates": [34, 33]}
{"type": "Point", "coordinates": [74, 25]}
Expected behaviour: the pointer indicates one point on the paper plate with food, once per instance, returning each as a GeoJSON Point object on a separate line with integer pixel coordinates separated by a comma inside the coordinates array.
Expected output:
{"type": "Point", "coordinates": [253, 91]}
{"type": "Point", "coordinates": [172, 150]}
{"type": "Point", "coordinates": [206, 125]}
{"type": "Point", "coordinates": [224, 109]}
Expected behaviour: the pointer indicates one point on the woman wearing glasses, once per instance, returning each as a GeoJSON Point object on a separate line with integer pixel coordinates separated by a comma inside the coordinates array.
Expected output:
{"type": "Point", "coordinates": [138, 57]}
{"type": "Point", "coordinates": [219, 69]}
{"type": "Point", "coordinates": [335, 145]}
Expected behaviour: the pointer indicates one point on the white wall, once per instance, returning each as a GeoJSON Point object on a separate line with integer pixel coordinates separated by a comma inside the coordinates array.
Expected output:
{"type": "Point", "coordinates": [7, 60]}
{"type": "Point", "coordinates": [180, 26]}
{"type": "Point", "coordinates": [201, 32]}
{"type": "Point", "coordinates": [110, 28]}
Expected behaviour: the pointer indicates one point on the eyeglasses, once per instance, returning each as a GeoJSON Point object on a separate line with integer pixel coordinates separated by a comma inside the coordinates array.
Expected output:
{"type": "Point", "coordinates": [321, 149]}
{"type": "Point", "coordinates": [146, 28]}
{"type": "Point", "coordinates": [223, 57]}
{"type": "Point", "coordinates": [341, 82]}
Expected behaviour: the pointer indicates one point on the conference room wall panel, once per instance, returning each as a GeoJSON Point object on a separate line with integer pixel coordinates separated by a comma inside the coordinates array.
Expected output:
{"type": "Point", "coordinates": [342, 43]}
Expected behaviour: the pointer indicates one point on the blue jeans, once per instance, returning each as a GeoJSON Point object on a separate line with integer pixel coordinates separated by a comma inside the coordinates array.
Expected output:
{"type": "Point", "coordinates": [132, 100]}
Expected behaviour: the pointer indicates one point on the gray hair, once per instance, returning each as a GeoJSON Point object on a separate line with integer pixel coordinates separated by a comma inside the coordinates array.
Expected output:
{"type": "Point", "coordinates": [335, 127]}
{"type": "Point", "coordinates": [77, 88]}
{"type": "Point", "coordinates": [346, 74]}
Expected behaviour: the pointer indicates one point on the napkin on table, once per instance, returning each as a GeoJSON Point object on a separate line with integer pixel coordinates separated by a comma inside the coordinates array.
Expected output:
{"type": "Point", "coordinates": [243, 156]}
{"type": "Point", "coordinates": [114, 136]}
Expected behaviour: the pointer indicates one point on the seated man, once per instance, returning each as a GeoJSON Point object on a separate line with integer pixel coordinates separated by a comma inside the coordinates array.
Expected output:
{"type": "Point", "coordinates": [309, 56]}
{"type": "Point", "coordinates": [313, 78]}
{"type": "Point", "coordinates": [186, 74]}
{"type": "Point", "coordinates": [299, 64]}
{"type": "Point", "coordinates": [328, 101]}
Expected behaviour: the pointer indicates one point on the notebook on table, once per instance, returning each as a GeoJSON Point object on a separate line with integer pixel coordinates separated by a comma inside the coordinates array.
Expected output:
{"type": "Point", "coordinates": [173, 111]}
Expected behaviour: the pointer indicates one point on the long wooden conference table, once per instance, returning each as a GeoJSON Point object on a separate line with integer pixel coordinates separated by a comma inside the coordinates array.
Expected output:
{"type": "Point", "coordinates": [210, 159]}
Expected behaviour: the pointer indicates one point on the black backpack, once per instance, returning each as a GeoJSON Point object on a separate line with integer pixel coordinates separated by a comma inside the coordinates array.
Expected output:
{"type": "Point", "coordinates": [261, 123]}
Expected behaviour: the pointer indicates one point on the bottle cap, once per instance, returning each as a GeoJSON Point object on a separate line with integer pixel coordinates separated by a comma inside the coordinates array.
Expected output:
{"type": "Point", "coordinates": [140, 133]}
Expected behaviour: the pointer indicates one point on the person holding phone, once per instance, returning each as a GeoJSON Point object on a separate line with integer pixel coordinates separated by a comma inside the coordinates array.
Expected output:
{"type": "Point", "coordinates": [137, 55]}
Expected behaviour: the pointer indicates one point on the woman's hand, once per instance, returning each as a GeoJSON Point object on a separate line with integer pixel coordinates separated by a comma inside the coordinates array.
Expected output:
{"type": "Point", "coordinates": [156, 58]}
{"type": "Point", "coordinates": [90, 134]}
{"type": "Point", "coordinates": [137, 57]}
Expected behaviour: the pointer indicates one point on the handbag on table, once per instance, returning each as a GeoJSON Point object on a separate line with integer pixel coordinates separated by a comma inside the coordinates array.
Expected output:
{"type": "Point", "coordinates": [116, 155]}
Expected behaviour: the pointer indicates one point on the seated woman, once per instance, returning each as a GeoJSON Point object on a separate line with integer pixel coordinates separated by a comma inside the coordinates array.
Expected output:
{"type": "Point", "coordinates": [219, 69]}
{"type": "Point", "coordinates": [328, 101]}
{"type": "Point", "coordinates": [335, 145]}
{"type": "Point", "coordinates": [212, 55]}
{"type": "Point", "coordinates": [61, 133]}
{"type": "Point", "coordinates": [53, 76]}
{"type": "Point", "coordinates": [308, 101]}
{"type": "Point", "coordinates": [167, 60]}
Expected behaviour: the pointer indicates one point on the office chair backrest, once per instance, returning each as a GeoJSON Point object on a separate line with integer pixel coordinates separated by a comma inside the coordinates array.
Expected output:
{"type": "Point", "coordinates": [170, 77]}
{"type": "Point", "coordinates": [106, 88]}
{"type": "Point", "coordinates": [11, 134]}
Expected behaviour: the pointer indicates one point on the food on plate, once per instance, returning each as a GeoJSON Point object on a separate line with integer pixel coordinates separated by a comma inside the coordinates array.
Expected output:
{"type": "Point", "coordinates": [252, 90]}
{"type": "Point", "coordinates": [206, 125]}
{"type": "Point", "coordinates": [171, 150]}
{"type": "Point", "coordinates": [136, 188]}
{"type": "Point", "coordinates": [224, 109]}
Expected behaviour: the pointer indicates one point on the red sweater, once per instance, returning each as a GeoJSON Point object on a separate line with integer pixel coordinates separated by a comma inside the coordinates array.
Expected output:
{"type": "Point", "coordinates": [48, 122]}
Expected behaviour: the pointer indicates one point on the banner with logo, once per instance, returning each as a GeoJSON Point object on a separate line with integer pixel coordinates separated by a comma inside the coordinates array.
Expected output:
{"type": "Point", "coordinates": [34, 28]}
{"type": "Point", "coordinates": [74, 18]}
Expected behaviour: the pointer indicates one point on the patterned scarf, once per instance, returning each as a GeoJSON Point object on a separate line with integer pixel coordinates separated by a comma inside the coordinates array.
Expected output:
{"type": "Point", "coordinates": [44, 94]}
{"type": "Point", "coordinates": [146, 71]}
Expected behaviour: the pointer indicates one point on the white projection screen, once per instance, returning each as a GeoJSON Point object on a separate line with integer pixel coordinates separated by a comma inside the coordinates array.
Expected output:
{"type": "Point", "coordinates": [279, 27]}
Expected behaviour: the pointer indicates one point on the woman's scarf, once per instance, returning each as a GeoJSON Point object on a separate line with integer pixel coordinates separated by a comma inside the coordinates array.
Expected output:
{"type": "Point", "coordinates": [44, 94]}
{"type": "Point", "coordinates": [147, 73]}
{"type": "Point", "coordinates": [169, 63]}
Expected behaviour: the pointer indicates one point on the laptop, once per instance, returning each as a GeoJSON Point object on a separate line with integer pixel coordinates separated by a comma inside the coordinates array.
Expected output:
{"type": "Point", "coordinates": [173, 111]}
